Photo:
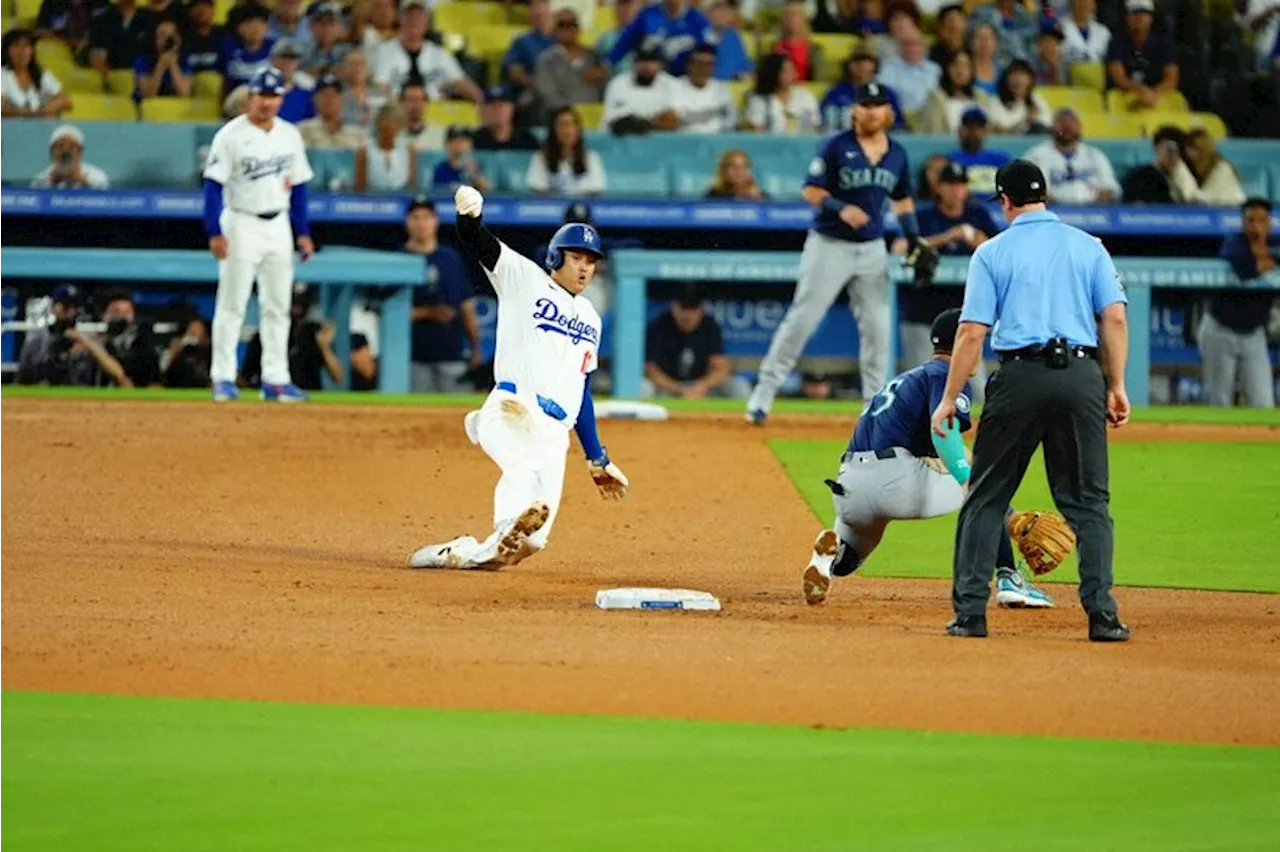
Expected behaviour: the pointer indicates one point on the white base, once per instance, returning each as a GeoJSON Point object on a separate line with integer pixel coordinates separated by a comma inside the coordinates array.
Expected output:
{"type": "Point", "coordinates": [657, 599]}
{"type": "Point", "coordinates": [622, 409]}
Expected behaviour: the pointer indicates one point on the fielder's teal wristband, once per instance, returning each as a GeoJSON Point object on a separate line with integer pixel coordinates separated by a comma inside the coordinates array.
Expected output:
{"type": "Point", "coordinates": [951, 450]}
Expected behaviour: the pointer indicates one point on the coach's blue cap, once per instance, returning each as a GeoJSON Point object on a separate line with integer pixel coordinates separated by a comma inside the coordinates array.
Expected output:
{"type": "Point", "coordinates": [268, 81]}
{"type": "Point", "coordinates": [873, 94]}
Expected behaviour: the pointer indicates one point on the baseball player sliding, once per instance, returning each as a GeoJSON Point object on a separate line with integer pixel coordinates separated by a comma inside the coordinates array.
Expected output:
{"type": "Point", "coordinates": [848, 182]}
{"type": "Point", "coordinates": [897, 469]}
{"type": "Point", "coordinates": [255, 208]}
{"type": "Point", "coordinates": [548, 339]}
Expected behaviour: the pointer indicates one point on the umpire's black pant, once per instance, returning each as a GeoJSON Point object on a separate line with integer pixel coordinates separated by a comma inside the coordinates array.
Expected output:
{"type": "Point", "coordinates": [1030, 403]}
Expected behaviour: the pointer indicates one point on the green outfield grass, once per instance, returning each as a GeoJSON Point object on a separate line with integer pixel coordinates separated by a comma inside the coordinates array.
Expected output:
{"type": "Point", "coordinates": [1154, 414]}
{"type": "Point", "coordinates": [108, 773]}
{"type": "Point", "coordinates": [1193, 515]}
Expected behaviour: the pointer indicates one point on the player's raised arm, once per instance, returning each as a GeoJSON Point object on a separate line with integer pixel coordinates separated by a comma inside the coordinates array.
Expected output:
{"type": "Point", "coordinates": [504, 267]}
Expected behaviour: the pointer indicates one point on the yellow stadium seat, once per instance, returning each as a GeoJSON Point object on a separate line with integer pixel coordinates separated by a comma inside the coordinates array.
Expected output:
{"type": "Point", "coordinates": [87, 107]}
{"type": "Point", "coordinates": [207, 84]}
{"type": "Point", "coordinates": [1110, 125]}
{"type": "Point", "coordinates": [836, 47]}
{"type": "Point", "coordinates": [519, 15]}
{"type": "Point", "coordinates": [180, 109]}
{"type": "Point", "coordinates": [26, 10]}
{"type": "Point", "coordinates": [55, 57]}
{"type": "Point", "coordinates": [1118, 101]}
{"type": "Point", "coordinates": [1153, 121]}
{"type": "Point", "coordinates": [120, 82]}
{"type": "Point", "coordinates": [1056, 97]}
{"type": "Point", "coordinates": [221, 8]}
{"type": "Point", "coordinates": [51, 53]}
{"type": "Point", "coordinates": [591, 114]}
{"type": "Point", "coordinates": [449, 113]}
{"type": "Point", "coordinates": [1089, 75]}
{"type": "Point", "coordinates": [738, 91]}
{"type": "Point", "coordinates": [461, 17]}
{"type": "Point", "coordinates": [818, 90]}
{"type": "Point", "coordinates": [493, 39]}
{"type": "Point", "coordinates": [606, 19]}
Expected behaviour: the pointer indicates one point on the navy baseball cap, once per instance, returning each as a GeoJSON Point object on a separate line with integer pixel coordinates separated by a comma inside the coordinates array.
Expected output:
{"type": "Point", "coordinates": [69, 294]}
{"type": "Point", "coordinates": [953, 173]}
{"type": "Point", "coordinates": [943, 331]}
{"type": "Point", "coordinates": [578, 211]}
{"type": "Point", "coordinates": [329, 81]}
{"type": "Point", "coordinates": [268, 81]}
{"type": "Point", "coordinates": [420, 202]}
{"type": "Point", "coordinates": [872, 94]}
{"type": "Point", "coordinates": [1022, 182]}
{"type": "Point", "coordinates": [973, 115]}
{"type": "Point", "coordinates": [324, 7]}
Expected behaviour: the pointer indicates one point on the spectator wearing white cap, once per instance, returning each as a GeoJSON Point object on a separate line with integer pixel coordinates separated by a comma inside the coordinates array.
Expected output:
{"type": "Point", "coordinates": [1140, 61]}
{"type": "Point", "coordinates": [1083, 38]}
{"type": "Point", "coordinates": [1077, 173]}
{"type": "Point", "coordinates": [68, 169]}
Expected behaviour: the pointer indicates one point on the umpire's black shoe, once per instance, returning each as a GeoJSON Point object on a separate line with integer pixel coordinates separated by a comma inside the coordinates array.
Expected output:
{"type": "Point", "coordinates": [1106, 627]}
{"type": "Point", "coordinates": [968, 625]}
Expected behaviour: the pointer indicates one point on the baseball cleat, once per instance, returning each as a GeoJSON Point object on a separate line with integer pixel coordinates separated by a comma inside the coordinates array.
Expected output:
{"type": "Point", "coordinates": [1013, 591]}
{"type": "Point", "coordinates": [969, 626]}
{"type": "Point", "coordinates": [511, 546]}
{"type": "Point", "coordinates": [451, 554]}
{"type": "Point", "coordinates": [757, 416]}
{"type": "Point", "coordinates": [283, 393]}
{"type": "Point", "coordinates": [817, 577]}
{"type": "Point", "coordinates": [225, 392]}
{"type": "Point", "coordinates": [1107, 628]}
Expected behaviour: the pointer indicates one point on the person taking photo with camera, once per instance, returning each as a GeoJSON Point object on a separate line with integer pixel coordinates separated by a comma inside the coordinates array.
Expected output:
{"type": "Point", "coordinates": [162, 70]}
{"type": "Point", "coordinates": [60, 354]}
{"type": "Point", "coordinates": [68, 170]}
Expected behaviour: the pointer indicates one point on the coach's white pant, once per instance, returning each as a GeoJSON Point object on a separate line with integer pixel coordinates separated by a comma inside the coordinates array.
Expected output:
{"type": "Point", "coordinates": [827, 266]}
{"type": "Point", "coordinates": [877, 491]}
{"type": "Point", "coordinates": [262, 249]}
{"type": "Point", "coordinates": [530, 447]}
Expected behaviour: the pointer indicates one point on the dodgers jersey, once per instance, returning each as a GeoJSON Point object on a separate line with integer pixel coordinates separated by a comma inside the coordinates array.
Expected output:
{"type": "Point", "coordinates": [676, 37]}
{"type": "Point", "coordinates": [547, 338]}
{"type": "Point", "coordinates": [257, 168]}
{"type": "Point", "coordinates": [898, 415]}
{"type": "Point", "coordinates": [842, 169]}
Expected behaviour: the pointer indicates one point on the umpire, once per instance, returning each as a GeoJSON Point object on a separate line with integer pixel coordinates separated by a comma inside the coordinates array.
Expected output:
{"type": "Point", "coordinates": [1053, 296]}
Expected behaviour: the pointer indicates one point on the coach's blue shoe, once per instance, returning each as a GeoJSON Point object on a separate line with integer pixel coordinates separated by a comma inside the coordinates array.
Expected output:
{"type": "Point", "coordinates": [757, 416]}
{"type": "Point", "coordinates": [225, 392]}
{"type": "Point", "coordinates": [1013, 591]}
{"type": "Point", "coordinates": [283, 393]}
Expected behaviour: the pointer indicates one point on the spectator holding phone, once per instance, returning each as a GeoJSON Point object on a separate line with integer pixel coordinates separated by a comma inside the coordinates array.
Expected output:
{"type": "Point", "coordinates": [162, 70]}
{"type": "Point", "coordinates": [68, 169]}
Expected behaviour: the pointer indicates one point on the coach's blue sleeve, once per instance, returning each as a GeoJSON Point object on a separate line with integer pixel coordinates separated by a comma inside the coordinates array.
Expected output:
{"type": "Point", "coordinates": [586, 427]}
{"type": "Point", "coordinates": [212, 207]}
{"type": "Point", "coordinates": [298, 211]}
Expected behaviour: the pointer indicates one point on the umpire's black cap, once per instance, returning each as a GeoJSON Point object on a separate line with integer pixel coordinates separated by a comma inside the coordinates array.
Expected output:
{"type": "Point", "coordinates": [1022, 182]}
{"type": "Point", "coordinates": [943, 331]}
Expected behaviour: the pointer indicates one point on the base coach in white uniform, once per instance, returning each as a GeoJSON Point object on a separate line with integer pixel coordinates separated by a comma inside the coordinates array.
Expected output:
{"type": "Point", "coordinates": [1052, 295]}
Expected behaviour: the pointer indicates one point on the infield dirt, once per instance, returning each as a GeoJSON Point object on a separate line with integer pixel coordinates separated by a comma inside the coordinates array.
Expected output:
{"type": "Point", "coordinates": [256, 552]}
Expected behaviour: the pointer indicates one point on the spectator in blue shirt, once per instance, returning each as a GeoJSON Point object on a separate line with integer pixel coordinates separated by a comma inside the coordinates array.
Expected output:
{"type": "Point", "coordinates": [1015, 26]}
{"type": "Point", "coordinates": [250, 51]}
{"type": "Point", "coordinates": [522, 56]}
{"type": "Point", "coordinates": [444, 312]}
{"type": "Point", "coordinates": [733, 62]}
{"type": "Point", "coordinates": [859, 69]}
{"type": "Point", "coordinates": [672, 27]}
{"type": "Point", "coordinates": [980, 163]}
{"type": "Point", "coordinates": [162, 70]}
{"type": "Point", "coordinates": [298, 104]}
{"type": "Point", "coordinates": [459, 166]}
{"type": "Point", "coordinates": [288, 21]}
{"type": "Point", "coordinates": [625, 11]}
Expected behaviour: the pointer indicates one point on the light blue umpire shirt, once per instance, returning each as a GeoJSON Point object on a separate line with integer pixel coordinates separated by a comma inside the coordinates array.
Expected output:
{"type": "Point", "coordinates": [1040, 279]}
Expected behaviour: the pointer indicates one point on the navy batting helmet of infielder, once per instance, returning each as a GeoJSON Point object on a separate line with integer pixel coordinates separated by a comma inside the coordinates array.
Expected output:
{"type": "Point", "coordinates": [576, 236]}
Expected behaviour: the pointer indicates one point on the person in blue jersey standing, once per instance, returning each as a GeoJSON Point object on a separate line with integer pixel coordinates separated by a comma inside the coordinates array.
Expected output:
{"type": "Point", "coordinates": [1052, 298]}
{"type": "Point", "coordinates": [673, 27]}
{"type": "Point", "coordinates": [894, 469]}
{"type": "Point", "coordinates": [849, 182]}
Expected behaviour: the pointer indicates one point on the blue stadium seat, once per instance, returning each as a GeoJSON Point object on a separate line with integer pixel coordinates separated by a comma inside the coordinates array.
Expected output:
{"type": "Point", "coordinates": [779, 178]}
{"type": "Point", "coordinates": [510, 170]}
{"type": "Point", "coordinates": [335, 170]}
{"type": "Point", "coordinates": [427, 161]}
{"type": "Point", "coordinates": [628, 176]}
{"type": "Point", "coordinates": [690, 176]}
{"type": "Point", "coordinates": [1273, 182]}
{"type": "Point", "coordinates": [1255, 182]}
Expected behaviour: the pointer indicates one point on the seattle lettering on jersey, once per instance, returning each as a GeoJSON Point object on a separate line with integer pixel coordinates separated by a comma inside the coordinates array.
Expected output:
{"type": "Point", "coordinates": [256, 167]}
{"type": "Point", "coordinates": [560, 323]}
{"type": "Point", "coordinates": [860, 178]}
{"type": "Point", "coordinates": [842, 168]}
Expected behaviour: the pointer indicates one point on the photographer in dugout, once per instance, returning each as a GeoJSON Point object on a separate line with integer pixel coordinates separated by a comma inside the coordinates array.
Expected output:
{"type": "Point", "coordinates": [128, 341]}
{"type": "Point", "coordinates": [60, 354]}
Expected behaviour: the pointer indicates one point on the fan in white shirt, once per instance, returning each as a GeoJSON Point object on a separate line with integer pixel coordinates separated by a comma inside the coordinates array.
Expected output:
{"type": "Point", "coordinates": [643, 100]}
{"type": "Point", "coordinates": [396, 61]}
{"type": "Point", "coordinates": [704, 103]}
{"type": "Point", "coordinates": [1017, 107]}
{"type": "Point", "coordinates": [1077, 173]}
{"type": "Point", "coordinates": [69, 170]}
{"type": "Point", "coordinates": [778, 104]}
{"type": "Point", "coordinates": [564, 167]}
{"type": "Point", "coordinates": [1083, 38]}
{"type": "Point", "coordinates": [26, 89]}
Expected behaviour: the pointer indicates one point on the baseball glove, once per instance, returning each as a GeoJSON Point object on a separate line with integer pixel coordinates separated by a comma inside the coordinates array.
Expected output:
{"type": "Point", "coordinates": [923, 258]}
{"type": "Point", "coordinates": [1043, 538]}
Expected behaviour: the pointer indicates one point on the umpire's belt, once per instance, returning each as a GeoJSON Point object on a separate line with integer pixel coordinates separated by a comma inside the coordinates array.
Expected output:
{"type": "Point", "coordinates": [549, 407]}
{"type": "Point", "coordinates": [1037, 353]}
{"type": "Point", "coordinates": [266, 217]}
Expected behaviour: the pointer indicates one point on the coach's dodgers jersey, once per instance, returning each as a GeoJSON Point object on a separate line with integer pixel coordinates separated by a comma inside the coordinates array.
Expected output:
{"type": "Point", "coordinates": [257, 168]}
{"type": "Point", "coordinates": [548, 339]}
{"type": "Point", "coordinates": [898, 416]}
{"type": "Point", "coordinates": [842, 169]}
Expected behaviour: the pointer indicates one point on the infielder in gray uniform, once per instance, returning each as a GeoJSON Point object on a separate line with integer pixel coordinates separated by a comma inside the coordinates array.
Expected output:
{"type": "Point", "coordinates": [849, 181]}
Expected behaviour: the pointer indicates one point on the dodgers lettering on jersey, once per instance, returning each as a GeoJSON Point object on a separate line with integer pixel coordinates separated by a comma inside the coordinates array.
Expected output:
{"type": "Point", "coordinates": [257, 168]}
{"type": "Point", "coordinates": [898, 415]}
{"type": "Point", "coordinates": [548, 340]}
{"type": "Point", "coordinates": [842, 169]}
{"type": "Point", "coordinates": [653, 28]}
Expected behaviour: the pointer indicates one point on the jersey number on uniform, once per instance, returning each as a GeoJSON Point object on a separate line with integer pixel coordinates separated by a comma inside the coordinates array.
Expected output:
{"type": "Point", "coordinates": [883, 400]}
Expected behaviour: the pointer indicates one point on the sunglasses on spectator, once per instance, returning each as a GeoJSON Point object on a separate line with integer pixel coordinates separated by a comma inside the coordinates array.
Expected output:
{"type": "Point", "coordinates": [567, 25]}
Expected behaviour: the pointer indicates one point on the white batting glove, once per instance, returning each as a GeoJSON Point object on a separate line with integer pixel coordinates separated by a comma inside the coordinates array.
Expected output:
{"type": "Point", "coordinates": [611, 481]}
{"type": "Point", "coordinates": [468, 201]}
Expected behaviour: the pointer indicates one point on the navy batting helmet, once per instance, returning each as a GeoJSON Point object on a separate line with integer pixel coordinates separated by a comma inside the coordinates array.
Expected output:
{"type": "Point", "coordinates": [576, 236]}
